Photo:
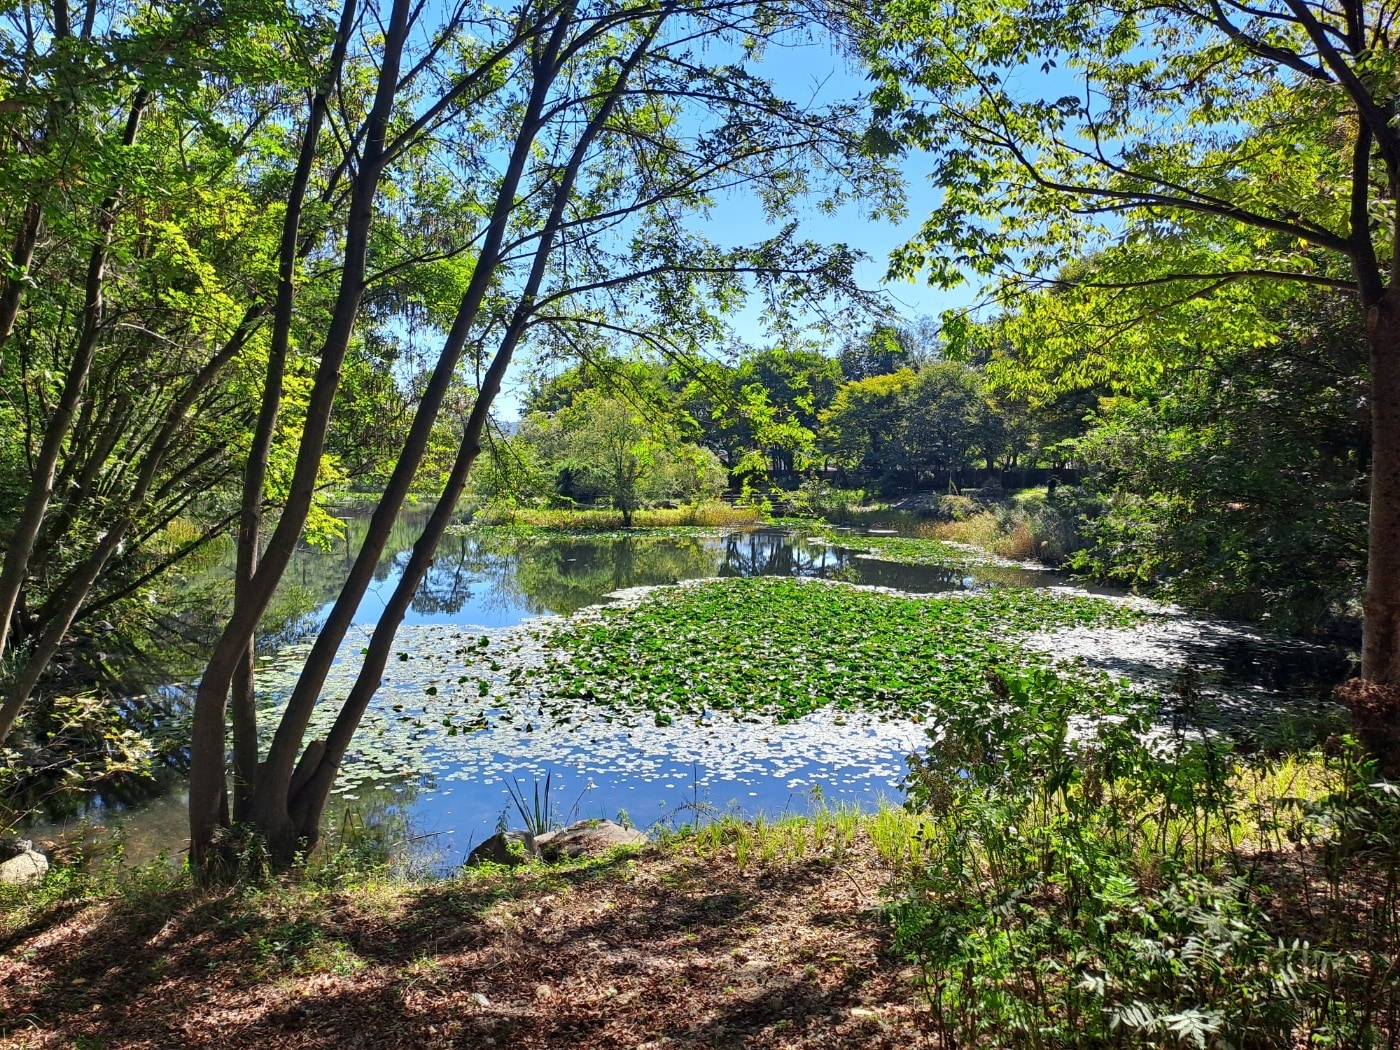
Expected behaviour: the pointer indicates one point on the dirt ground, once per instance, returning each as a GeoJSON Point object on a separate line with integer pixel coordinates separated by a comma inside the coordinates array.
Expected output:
{"type": "Point", "coordinates": [669, 948]}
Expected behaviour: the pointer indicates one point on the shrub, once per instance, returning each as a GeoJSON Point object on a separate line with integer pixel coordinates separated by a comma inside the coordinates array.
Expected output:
{"type": "Point", "coordinates": [1089, 877]}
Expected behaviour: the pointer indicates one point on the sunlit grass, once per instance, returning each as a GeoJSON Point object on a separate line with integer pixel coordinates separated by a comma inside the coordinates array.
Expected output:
{"type": "Point", "coordinates": [695, 515]}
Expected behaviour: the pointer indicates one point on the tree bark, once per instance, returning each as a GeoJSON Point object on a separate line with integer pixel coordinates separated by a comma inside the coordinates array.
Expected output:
{"type": "Point", "coordinates": [242, 699]}
{"type": "Point", "coordinates": [1374, 698]}
{"type": "Point", "coordinates": [208, 735]}
{"type": "Point", "coordinates": [311, 782]}
{"type": "Point", "coordinates": [270, 810]}
{"type": "Point", "coordinates": [1380, 658]}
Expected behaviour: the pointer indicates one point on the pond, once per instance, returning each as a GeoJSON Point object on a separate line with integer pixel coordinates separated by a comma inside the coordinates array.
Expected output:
{"type": "Point", "coordinates": [450, 738]}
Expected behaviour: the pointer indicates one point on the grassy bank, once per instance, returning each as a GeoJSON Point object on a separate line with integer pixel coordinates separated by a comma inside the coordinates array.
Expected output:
{"type": "Point", "coordinates": [764, 936]}
{"type": "Point", "coordinates": [1029, 526]}
{"type": "Point", "coordinates": [697, 515]}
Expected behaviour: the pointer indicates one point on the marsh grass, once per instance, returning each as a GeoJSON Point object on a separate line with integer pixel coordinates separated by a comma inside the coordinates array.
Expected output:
{"type": "Point", "coordinates": [830, 833]}
{"type": "Point", "coordinates": [1025, 531]}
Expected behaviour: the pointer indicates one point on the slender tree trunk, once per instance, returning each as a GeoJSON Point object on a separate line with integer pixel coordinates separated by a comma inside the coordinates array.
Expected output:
{"type": "Point", "coordinates": [20, 257]}
{"type": "Point", "coordinates": [208, 787]}
{"type": "Point", "coordinates": [310, 783]}
{"type": "Point", "coordinates": [26, 531]}
{"type": "Point", "coordinates": [270, 812]}
{"type": "Point", "coordinates": [243, 697]}
{"type": "Point", "coordinates": [1380, 659]}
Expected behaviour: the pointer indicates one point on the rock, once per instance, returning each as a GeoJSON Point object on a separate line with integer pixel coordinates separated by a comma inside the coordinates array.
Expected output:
{"type": "Point", "coordinates": [990, 492]}
{"type": "Point", "coordinates": [587, 838]}
{"type": "Point", "coordinates": [505, 847]}
{"type": "Point", "coordinates": [24, 868]}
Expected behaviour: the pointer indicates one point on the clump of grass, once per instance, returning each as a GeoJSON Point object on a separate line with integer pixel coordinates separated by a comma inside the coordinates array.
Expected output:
{"type": "Point", "coordinates": [1029, 528]}
{"type": "Point", "coordinates": [1094, 872]}
{"type": "Point", "coordinates": [829, 833]}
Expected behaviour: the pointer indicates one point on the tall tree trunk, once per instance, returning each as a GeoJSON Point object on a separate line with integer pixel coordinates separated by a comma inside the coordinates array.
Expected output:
{"type": "Point", "coordinates": [270, 813]}
{"type": "Point", "coordinates": [1380, 659]}
{"type": "Point", "coordinates": [208, 787]}
{"type": "Point", "coordinates": [310, 782]}
{"type": "Point", "coordinates": [1374, 698]}
{"type": "Point", "coordinates": [243, 699]}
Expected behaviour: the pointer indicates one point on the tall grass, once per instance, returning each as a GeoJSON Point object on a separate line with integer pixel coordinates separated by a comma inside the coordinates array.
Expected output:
{"type": "Point", "coordinates": [703, 515]}
{"type": "Point", "coordinates": [1029, 528]}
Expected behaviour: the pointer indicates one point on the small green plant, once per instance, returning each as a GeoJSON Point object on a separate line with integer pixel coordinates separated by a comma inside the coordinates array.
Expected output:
{"type": "Point", "coordinates": [538, 815]}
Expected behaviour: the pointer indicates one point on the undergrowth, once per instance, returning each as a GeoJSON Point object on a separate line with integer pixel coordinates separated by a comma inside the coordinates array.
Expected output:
{"type": "Point", "coordinates": [1030, 526]}
{"type": "Point", "coordinates": [1096, 872]}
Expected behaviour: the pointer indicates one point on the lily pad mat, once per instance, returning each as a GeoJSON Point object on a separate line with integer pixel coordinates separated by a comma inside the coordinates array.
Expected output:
{"type": "Point", "coordinates": [783, 648]}
{"type": "Point", "coordinates": [650, 685]}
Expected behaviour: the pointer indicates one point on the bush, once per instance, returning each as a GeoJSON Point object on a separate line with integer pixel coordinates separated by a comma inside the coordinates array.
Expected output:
{"type": "Point", "coordinates": [1032, 526]}
{"type": "Point", "coordinates": [1091, 878]}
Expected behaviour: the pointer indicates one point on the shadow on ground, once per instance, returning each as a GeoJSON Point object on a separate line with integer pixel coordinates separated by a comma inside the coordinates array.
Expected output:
{"type": "Point", "coordinates": [667, 949]}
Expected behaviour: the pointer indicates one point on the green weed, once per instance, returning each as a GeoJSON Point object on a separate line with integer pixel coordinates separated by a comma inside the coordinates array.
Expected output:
{"type": "Point", "coordinates": [1086, 877]}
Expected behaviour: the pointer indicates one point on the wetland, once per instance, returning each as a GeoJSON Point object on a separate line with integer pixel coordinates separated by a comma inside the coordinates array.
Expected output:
{"type": "Point", "coordinates": [668, 676]}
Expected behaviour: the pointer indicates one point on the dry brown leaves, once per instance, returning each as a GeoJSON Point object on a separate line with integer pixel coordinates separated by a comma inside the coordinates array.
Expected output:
{"type": "Point", "coordinates": [669, 950]}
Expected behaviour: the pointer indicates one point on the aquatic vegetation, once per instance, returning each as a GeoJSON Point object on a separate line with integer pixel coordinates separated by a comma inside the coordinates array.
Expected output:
{"type": "Point", "coordinates": [785, 647]}
{"type": "Point", "coordinates": [585, 531]}
{"type": "Point", "coordinates": [913, 550]}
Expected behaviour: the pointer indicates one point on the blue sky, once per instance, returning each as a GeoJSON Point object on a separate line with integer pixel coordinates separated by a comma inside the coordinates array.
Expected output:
{"type": "Point", "coordinates": [813, 73]}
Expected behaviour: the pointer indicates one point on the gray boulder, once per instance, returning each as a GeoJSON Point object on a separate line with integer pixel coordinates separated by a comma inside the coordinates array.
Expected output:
{"type": "Point", "coordinates": [505, 847]}
{"type": "Point", "coordinates": [587, 838]}
{"type": "Point", "coordinates": [24, 867]}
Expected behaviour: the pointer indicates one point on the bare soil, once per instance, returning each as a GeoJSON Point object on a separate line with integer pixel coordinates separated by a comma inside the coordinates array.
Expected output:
{"type": "Point", "coordinates": [668, 948]}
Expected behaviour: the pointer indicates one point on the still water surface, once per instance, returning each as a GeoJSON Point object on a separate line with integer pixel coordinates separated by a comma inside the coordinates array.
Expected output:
{"type": "Point", "coordinates": [447, 792]}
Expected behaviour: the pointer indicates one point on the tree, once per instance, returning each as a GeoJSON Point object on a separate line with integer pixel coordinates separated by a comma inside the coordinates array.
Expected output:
{"type": "Point", "coordinates": [138, 245]}
{"type": "Point", "coordinates": [786, 390]}
{"type": "Point", "coordinates": [907, 425]}
{"type": "Point", "coordinates": [1240, 485]}
{"type": "Point", "coordinates": [1193, 162]}
{"type": "Point", "coordinates": [612, 451]}
{"type": "Point", "coordinates": [865, 424]}
{"type": "Point", "coordinates": [607, 127]}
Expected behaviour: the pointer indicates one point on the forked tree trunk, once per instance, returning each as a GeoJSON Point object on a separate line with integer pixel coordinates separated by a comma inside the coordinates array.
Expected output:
{"type": "Point", "coordinates": [270, 808]}
{"type": "Point", "coordinates": [208, 767]}
{"type": "Point", "coordinates": [302, 798]}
